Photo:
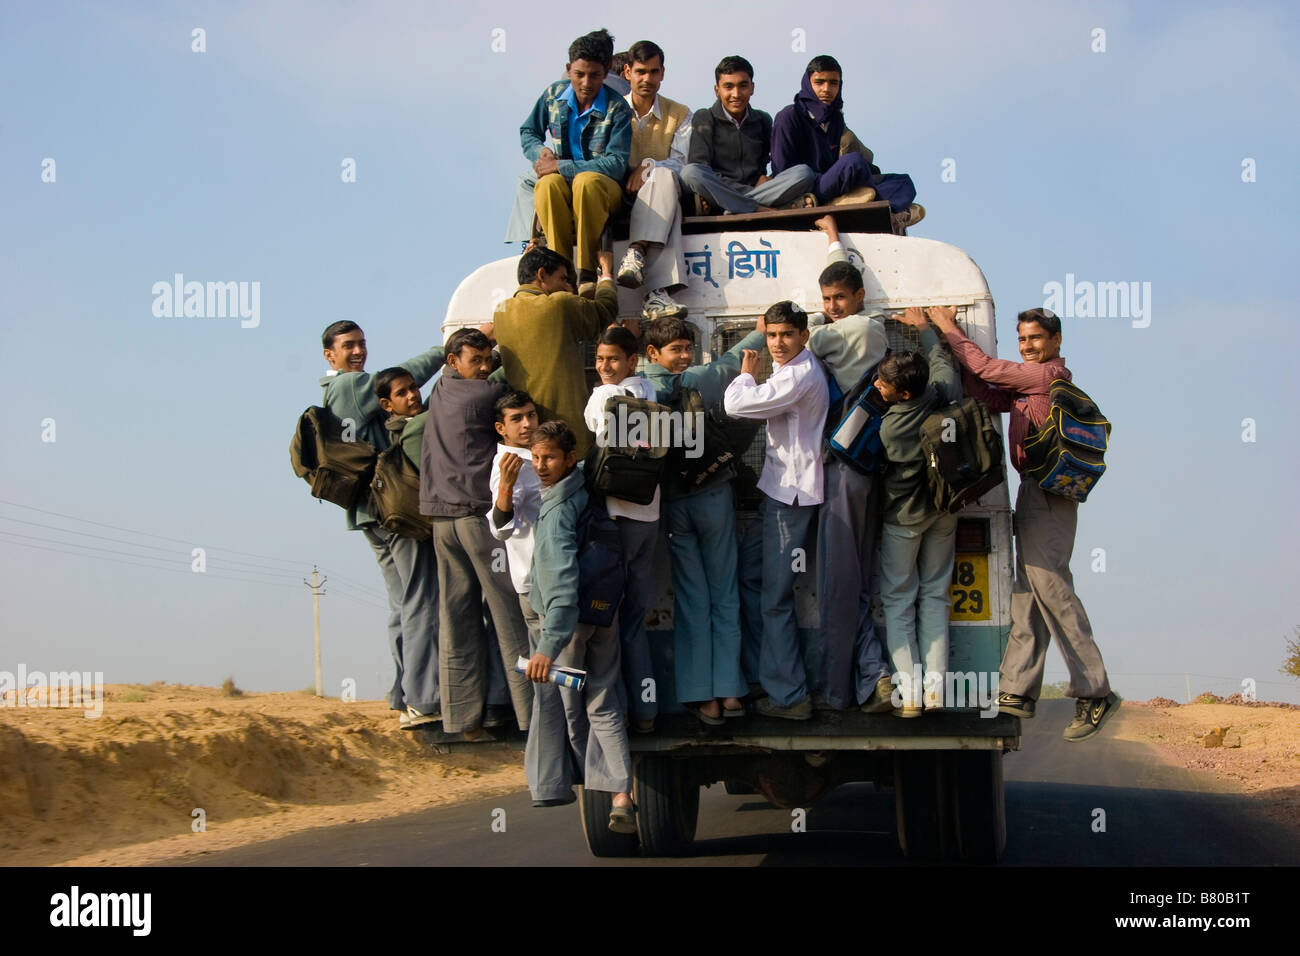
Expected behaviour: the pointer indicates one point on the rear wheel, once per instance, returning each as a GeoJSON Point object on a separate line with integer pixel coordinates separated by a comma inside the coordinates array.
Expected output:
{"type": "Point", "coordinates": [979, 805]}
{"type": "Point", "coordinates": [920, 804]}
{"type": "Point", "coordinates": [668, 805]}
{"type": "Point", "coordinates": [594, 807]}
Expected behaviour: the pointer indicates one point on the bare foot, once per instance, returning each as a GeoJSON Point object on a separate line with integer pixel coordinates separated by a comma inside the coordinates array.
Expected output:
{"type": "Point", "coordinates": [711, 709]}
{"type": "Point", "coordinates": [732, 703]}
{"type": "Point", "coordinates": [622, 800]}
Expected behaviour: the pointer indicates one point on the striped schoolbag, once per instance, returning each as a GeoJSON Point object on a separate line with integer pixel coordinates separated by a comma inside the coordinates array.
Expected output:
{"type": "Point", "coordinates": [1064, 454]}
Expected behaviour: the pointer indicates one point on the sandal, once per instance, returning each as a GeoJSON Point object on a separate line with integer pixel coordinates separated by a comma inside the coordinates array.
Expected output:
{"type": "Point", "coordinates": [623, 819]}
{"type": "Point", "coordinates": [705, 718]}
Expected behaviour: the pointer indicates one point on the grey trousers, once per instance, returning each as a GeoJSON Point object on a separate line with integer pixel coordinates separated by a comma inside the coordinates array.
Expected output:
{"type": "Point", "coordinates": [723, 193]}
{"type": "Point", "coordinates": [915, 574]}
{"type": "Point", "coordinates": [639, 539]}
{"type": "Point", "coordinates": [601, 740]}
{"type": "Point", "coordinates": [848, 536]}
{"type": "Point", "coordinates": [1043, 602]}
{"type": "Point", "coordinates": [550, 766]}
{"type": "Point", "coordinates": [409, 579]}
{"type": "Point", "coordinates": [785, 529]}
{"type": "Point", "coordinates": [466, 578]}
{"type": "Point", "coordinates": [657, 219]}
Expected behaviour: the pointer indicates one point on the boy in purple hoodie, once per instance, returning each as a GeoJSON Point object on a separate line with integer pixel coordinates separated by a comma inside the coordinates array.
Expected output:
{"type": "Point", "coordinates": [811, 131]}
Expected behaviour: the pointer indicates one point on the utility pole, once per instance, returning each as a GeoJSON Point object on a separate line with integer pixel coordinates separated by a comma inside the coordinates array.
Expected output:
{"type": "Point", "coordinates": [316, 592]}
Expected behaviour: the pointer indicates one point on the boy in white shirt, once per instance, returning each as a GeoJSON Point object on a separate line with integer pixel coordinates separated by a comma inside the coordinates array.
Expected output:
{"type": "Point", "coordinates": [793, 401]}
{"type": "Point", "coordinates": [638, 526]}
{"type": "Point", "coordinates": [516, 502]}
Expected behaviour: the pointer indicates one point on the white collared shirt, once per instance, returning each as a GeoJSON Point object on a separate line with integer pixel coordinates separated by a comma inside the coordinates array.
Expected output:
{"type": "Point", "coordinates": [793, 401]}
{"type": "Point", "coordinates": [517, 533]}
{"type": "Point", "coordinates": [681, 144]}
{"type": "Point", "coordinates": [594, 415]}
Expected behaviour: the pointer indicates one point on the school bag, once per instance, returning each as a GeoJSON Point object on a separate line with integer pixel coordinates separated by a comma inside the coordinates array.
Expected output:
{"type": "Point", "coordinates": [715, 458]}
{"type": "Point", "coordinates": [337, 470]}
{"type": "Point", "coordinates": [852, 432]}
{"type": "Point", "coordinates": [395, 490]}
{"type": "Point", "coordinates": [963, 454]}
{"type": "Point", "coordinates": [1064, 454]}
{"type": "Point", "coordinates": [601, 574]}
{"type": "Point", "coordinates": [630, 471]}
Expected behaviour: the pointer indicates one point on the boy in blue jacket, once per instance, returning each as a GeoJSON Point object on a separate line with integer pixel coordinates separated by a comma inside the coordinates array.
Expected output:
{"type": "Point", "coordinates": [604, 751]}
{"type": "Point", "coordinates": [701, 527]}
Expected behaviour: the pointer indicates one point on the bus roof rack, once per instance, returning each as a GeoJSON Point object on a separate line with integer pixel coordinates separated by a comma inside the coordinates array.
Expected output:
{"type": "Point", "coordinates": [850, 217]}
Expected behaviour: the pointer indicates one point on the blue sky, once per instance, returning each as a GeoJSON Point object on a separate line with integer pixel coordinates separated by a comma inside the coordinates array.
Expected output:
{"type": "Point", "coordinates": [1123, 165]}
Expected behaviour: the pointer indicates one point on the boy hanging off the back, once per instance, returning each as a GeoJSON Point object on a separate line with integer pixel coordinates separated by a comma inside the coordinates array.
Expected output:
{"type": "Point", "coordinates": [1043, 602]}
{"type": "Point", "coordinates": [605, 756]}
{"type": "Point", "coordinates": [638, 525]}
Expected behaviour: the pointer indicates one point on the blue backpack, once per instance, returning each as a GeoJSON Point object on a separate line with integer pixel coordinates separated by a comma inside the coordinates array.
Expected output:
{"type": "Point", "coordinates": [853, 423]}
{"type": "Point", "coordinates": [601, 574]}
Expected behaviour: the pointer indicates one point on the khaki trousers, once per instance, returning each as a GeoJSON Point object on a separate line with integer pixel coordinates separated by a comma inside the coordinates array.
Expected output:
{"type": "Point", "coordinates": [588, 203]}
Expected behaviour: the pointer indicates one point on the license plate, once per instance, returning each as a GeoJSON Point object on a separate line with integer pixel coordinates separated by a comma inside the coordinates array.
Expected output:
{"type": "Point", "coordinates": [970, 588]}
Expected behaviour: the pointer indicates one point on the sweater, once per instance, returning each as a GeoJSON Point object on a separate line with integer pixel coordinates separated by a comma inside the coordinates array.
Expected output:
{"type": "Point", "coordinates": [606, 140]}
{"type": "Point", "coordinates": [351, 396]}
{"type": "Point", "coordinates": [554, 570]}
{"type": "Point", "coordinates": [458, 446]}
{"type": "Point", "coordinates": [737, 154]}
{"type": "Point", "coordinates": [653, 137]}
{"type": "Point", "coordinates": [539, 339]}
{"type": "Point", "coordinates": [850, 346]}
{"type": "Point", "coordinates": [907, 489]}
{"type": "Point", "coordinates": [1021, 388]}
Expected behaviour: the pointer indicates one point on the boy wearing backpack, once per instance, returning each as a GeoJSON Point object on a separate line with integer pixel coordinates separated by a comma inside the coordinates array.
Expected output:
{"type": "Point", "coordinates": [638, 525]}
{"type": "Point", "coordinates": [349, 395]}
{"type": "Point", "coordinates": [606, 757]}
{"type": "Point", "coordinates": [1043, 602]}
{"type": "Point", "coordinates": [793, 403]}
{"type": "Point", "coordinates": [918, 542]}
{"type": "Point", "coordinates": [855, 670]}
{"type": "Point", "coordinates": [417, 656]}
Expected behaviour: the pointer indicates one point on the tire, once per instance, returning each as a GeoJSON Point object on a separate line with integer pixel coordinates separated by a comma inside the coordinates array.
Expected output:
{"type": "Point", "coordinates": [593, 808]}
{"type": "Point", "coordinates": [979, 805]}
{"type": "Point", "coordinates": [668, 805]}
{"type": "Point", "coordinates": [921, 804]}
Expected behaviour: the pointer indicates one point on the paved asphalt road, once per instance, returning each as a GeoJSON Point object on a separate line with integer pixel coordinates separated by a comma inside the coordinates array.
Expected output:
{"type": "Point", "coordinates": [1156, 815]}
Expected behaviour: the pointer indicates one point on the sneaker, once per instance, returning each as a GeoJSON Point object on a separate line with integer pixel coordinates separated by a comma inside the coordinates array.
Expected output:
{"type": "Point", "coordinates": [933, 700]}
{"type": "Point", "coordinates": [909, 710]}
{"type": "Point", "coordinates": [1090, 714]}
{"type": "Point", "coordinates": [497, 716]}
{"type": "Point", "coordinates": [623, 819]}
{"type": "Point", "coordinates": [820, 704]}
{"type": "Point", "coordinates": [403, 718]}
{"type": "Point", "coordinates": [800, 711]}
{"type": "Point", "coordinates": [660, 305]}
{"type": "Point", "coordinates": [909, 217]}
{"type": "Point", "coordinates": [1015, 705]}
{"type": "Point", "coordinates": [880, 701]}
{"type": "Point", "coordinates": [416, 719]}
{"type": "Point", "coordinates": [631, 273]}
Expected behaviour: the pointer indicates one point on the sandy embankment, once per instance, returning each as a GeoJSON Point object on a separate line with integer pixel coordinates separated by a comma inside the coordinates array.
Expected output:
{"type": "Point", "coordinates": [121, 789]}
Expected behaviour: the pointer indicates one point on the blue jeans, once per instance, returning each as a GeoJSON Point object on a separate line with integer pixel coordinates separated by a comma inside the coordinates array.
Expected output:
{"type": "Point", "coordinates": [706, 610]}
{"type": "Point", "coordinates": [785, 529]}
{"type": "Point", "coordinates": [723, 193]}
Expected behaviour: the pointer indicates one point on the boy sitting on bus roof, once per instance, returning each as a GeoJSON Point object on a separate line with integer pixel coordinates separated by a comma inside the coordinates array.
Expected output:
{"type": "Point", "coordinates": [730, 147]}
{"type": "Point", "coordinates": [661, 132]}
{"type": "Point", "coordinates": [855, 670]}
{"type": "Point", "coordinates": [793, 403]}
{"type": "Point", "coordinates": [417, 654]}
{"type": "Point", "coordinates": [577, 137]}
{"type": "Point", "coordinates": [1043, 602]}
{"type": "Point", "coordinates": [701, 529]}
{"type": "Point", "coordinates": [812, 132]}
{"type": "Point", "coordinates": [917, 542]}
{"type": "Point", "coordinates": [539, 331]}
{"type": "Point", "coordinates": [602, 743]}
